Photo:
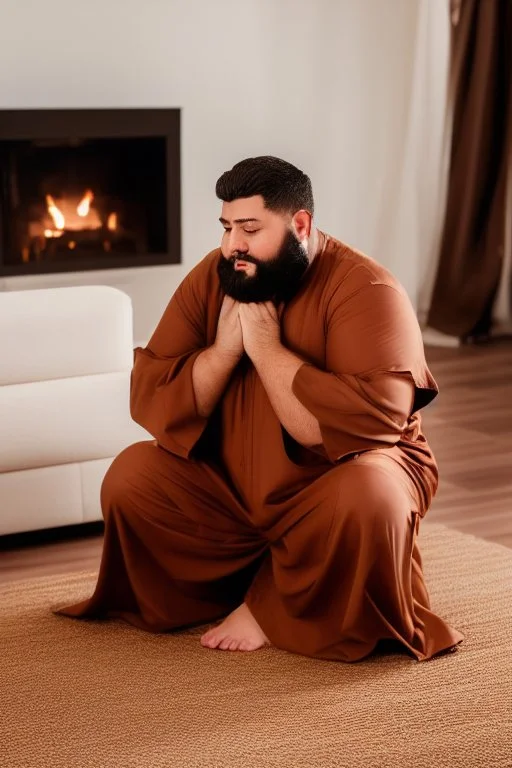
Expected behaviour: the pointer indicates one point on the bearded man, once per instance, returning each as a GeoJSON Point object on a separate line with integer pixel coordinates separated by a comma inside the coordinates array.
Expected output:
{"type": "Point", "coordinates": [282, 495]}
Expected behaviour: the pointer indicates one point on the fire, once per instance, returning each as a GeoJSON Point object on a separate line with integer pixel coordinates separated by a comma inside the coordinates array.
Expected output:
{"type": "Point", "coordinates": [112, 222]}
{"type": "Point", "coordinates": [85, 204]}
{"type": "Point", "coordinates": [66, 216]}
{"type": "Point", "coordinates": [55, 213]}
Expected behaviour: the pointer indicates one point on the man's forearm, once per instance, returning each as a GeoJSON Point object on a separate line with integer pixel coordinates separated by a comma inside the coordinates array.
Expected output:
{"type": "Point", "coordinates": [210, 375]}
{"type": "Point", "coordinates": [277, 369]}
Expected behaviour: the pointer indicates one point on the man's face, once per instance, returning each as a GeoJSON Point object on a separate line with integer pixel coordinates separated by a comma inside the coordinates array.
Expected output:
{"type": "Point", "coordinates": [261, 259]}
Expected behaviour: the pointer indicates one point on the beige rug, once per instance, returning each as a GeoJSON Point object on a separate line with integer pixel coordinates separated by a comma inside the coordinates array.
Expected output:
{"type": "Point", "coordinates": [107, 695]}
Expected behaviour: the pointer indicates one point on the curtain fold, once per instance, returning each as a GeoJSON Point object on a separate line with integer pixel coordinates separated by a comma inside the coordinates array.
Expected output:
{"type": "Point", "coordinates": [473, 241]}
{"type": "Point", "coordinates": [502, 309]}
{"type": "Point", "coordinates": [412, 168]}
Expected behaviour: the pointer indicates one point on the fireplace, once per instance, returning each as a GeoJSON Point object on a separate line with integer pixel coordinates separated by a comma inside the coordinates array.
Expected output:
{"type": "Point", "coordinates": [89, 189]}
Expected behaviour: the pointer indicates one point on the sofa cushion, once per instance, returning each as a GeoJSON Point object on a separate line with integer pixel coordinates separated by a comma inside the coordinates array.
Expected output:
{"type": "Point", "coordinates": [40, 498]}
{"type": "Point", "coordinates": [52, 333]}
{"type": "Point", "coordinates": [65, 421]}
{"type": "Point", "coordinates": [92, 474]}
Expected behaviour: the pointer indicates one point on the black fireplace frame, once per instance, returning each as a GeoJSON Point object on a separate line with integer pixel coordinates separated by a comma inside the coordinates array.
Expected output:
{"type": "Point", "coordinates": [29, 124]}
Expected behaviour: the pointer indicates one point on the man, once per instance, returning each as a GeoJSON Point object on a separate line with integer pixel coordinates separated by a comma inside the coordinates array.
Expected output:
{"type": "Point", "coordinates": [285, 486]}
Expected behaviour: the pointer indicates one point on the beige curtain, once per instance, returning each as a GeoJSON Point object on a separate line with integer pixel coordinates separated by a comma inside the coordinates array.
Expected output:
{"type": "Point", "coordinates": [411, 169]}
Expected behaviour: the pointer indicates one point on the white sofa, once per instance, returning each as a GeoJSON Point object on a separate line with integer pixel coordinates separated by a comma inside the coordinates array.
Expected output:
{"type": "Point", "coordinates": [65, 361]}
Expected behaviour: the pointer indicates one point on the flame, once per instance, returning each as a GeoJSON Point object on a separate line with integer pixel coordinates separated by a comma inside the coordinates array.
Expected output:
{"type": "Point", "coordinates": [112, 222]}
{"type": "Point", "coordinates": [55, 213]}
{"type": "Point", "coordinates": [84, 205]}
{"type": "Point", "coordinates": [64, 213]}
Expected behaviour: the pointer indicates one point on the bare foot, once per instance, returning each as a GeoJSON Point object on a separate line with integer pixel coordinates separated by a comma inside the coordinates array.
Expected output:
{"type": "Point", "coordinates": [238, 632]}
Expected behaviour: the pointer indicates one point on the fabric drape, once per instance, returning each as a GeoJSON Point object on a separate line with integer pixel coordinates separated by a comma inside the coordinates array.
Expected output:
{"type": "Point", "coordinates": [472, 248]}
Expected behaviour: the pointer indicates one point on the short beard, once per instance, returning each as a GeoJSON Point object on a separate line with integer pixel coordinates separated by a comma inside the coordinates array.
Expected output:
{"type": "Point", "coordinates": [277, 279]}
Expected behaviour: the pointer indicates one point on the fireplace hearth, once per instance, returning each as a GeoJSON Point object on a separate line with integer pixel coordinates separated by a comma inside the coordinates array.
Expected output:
{"type": "Point", "coordinates": [89, 189]}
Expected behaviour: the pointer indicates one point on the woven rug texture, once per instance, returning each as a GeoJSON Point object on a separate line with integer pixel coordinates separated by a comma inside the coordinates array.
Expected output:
{"type": "Point", "coordinates": [103, 694]}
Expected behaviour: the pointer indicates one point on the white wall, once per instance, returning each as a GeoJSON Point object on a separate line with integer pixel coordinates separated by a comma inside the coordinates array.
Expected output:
{"type": "Point", "coordinates": [324, 84]}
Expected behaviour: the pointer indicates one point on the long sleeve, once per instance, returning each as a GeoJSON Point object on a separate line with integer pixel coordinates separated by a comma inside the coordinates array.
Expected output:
{"type": "Point", "coordinates": [162, 394]}
{"type": "Point", "coordinates": [376, 376]}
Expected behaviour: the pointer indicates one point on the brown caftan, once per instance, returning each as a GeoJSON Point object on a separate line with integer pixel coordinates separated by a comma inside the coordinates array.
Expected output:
{"type": "Point", "coordinates": [320, 543]}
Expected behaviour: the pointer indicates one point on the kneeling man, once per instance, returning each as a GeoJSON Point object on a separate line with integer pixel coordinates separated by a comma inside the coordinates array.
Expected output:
{"type": "Point", "coordinates": [284, 489]}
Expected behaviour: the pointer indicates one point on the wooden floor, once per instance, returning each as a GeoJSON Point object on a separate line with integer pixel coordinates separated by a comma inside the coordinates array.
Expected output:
{"type": "Point", "coordinates": [469, 426]}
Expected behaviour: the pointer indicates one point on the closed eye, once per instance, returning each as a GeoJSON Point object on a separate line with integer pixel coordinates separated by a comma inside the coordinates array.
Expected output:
{"type": "Point", "coordinates": [246, 231]}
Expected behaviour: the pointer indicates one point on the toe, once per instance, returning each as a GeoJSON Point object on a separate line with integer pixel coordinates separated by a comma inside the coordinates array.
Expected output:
{"type": "Point", "coordinates": [209, 640]}
{"type": "Point", "coordinates": [234, 645]}
{"type": "Point", "coordinates": [225, 643]}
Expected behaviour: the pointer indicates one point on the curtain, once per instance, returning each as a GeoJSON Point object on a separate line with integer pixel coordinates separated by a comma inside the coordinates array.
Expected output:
{"type": "Point", "coordinates": [405, 224]}
{"type": "Point", "coordinates": [502, 310]}
{"type": "Point", "coordinates": [472, 252]}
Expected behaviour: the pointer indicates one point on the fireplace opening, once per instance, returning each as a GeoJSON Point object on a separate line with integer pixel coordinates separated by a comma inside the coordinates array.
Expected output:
{"type": "Point", "coordinates": [87, 202]}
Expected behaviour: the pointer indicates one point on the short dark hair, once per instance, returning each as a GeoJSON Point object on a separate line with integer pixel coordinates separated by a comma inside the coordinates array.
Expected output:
{"type": "Point", "coordinates": [284, 187]}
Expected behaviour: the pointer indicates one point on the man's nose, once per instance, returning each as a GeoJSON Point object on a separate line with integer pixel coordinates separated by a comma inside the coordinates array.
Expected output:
{"type": "Point", "coordinates": [237, 243]}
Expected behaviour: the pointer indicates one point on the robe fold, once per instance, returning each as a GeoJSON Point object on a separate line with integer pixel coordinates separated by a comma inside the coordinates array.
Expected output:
{"type": "Point", "coordinates": [320, 542]}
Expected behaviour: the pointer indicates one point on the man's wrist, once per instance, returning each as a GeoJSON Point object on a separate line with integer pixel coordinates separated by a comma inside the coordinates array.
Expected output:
{"type": "Point", "coordinates": [225, 356]}
{"type": "Point", "coordinates": [266, 355]}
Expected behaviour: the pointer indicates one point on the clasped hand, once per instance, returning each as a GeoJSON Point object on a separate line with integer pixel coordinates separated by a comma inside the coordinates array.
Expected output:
{"type": "Point", "coordinates": [253, 328]}
{"type": "Point", "coordinates": [261, 329]}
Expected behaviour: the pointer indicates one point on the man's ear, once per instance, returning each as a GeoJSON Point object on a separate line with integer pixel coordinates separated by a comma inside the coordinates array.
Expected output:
{"type": "Point", "coordinates": [302, 222]}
